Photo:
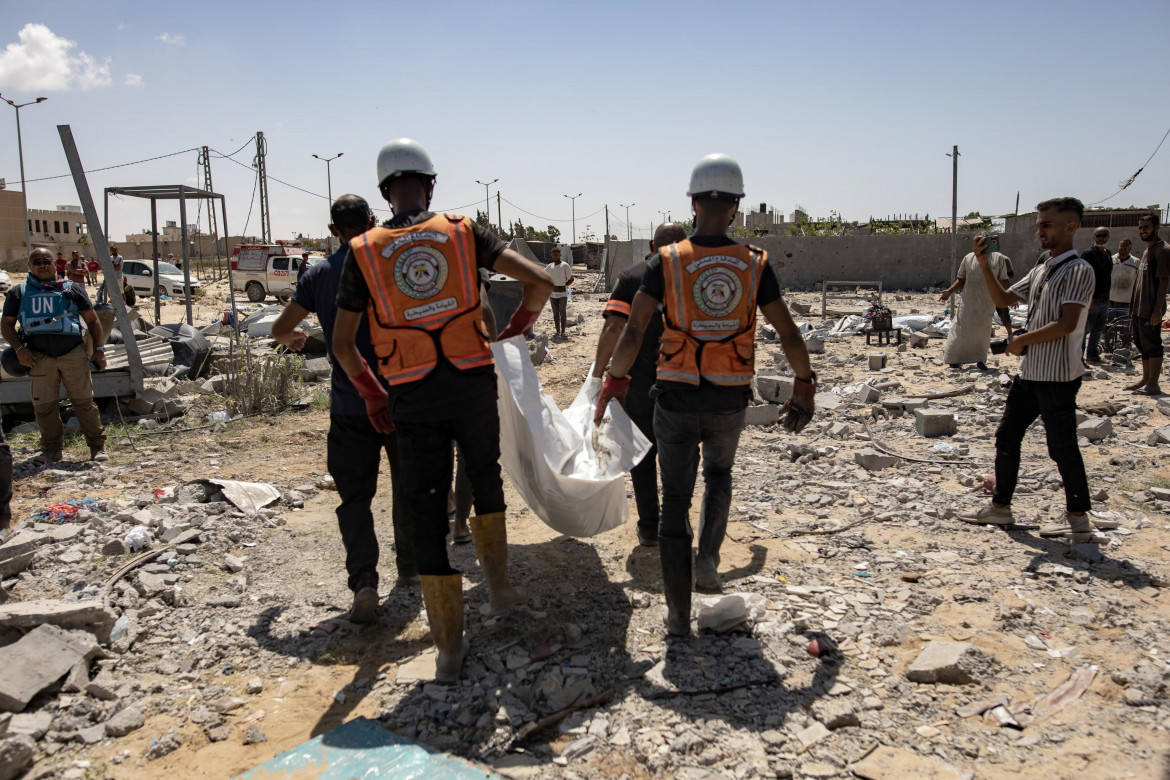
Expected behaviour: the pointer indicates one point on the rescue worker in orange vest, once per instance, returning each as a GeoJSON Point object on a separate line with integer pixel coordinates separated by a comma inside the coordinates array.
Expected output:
{"type": "Point", "coordinates": [709, 287]}
{"type": "Point", "coordinates": [417, 275]}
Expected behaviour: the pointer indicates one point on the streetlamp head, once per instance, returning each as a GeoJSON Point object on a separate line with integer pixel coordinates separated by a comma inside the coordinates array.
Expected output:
{"type": "Point", "coordinates": [317, 157]}
{"type": "Point", "coordinates": [42, 99]}
{"type": "Point", "coordinates": [338, 155]}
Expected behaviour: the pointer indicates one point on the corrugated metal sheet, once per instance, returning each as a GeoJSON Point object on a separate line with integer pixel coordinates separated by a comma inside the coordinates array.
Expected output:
{"type": "Point", "coordinates": [156, 354]}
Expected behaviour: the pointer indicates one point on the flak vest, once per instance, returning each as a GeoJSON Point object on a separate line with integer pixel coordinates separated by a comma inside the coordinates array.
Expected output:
{"type": "Point", "coordinates": [44, 310]}
{"type": "Point", "coordinates": [710, 302]}
{"type": "Point", "coordinates": [424, 297]}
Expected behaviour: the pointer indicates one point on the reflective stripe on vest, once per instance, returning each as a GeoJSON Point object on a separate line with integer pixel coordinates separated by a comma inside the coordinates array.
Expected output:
{"type": "Point", "coordinates": [424, 297]}
{"type": "Point", "coordinates": [46, 310]}
{"type": "Point", "coordinates": [710, 302]}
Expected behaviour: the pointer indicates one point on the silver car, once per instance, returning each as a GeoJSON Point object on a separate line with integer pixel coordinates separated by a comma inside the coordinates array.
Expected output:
{"type": "Point", "coordinates": [140, 275]}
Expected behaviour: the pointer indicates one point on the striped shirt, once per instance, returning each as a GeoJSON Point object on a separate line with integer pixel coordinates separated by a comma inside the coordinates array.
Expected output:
{"type": "Point", "coordinates": [1058, 360]}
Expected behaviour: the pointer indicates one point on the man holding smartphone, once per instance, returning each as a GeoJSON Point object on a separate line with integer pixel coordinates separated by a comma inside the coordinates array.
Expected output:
{"type": "Point", "coordinates": [1058, 292]}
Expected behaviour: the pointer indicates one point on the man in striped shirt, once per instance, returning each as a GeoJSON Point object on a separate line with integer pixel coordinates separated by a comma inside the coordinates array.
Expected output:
{"type": "Point", "coordinates": [1058, 292]}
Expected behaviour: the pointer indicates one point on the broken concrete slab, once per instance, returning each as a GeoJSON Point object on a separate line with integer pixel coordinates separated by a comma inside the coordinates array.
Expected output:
{"type": "Point", "coordinates": [877, 361]}
{"type": "Point", "coordinates": [835, 713]}
{"type": "Point", "coordinates": [956, 663]}
{"type": "Point", "coordinates": [248, 497]}
{"type": "Point", "coordinates": [774, 389]}
{"type": "Point", "coordinates": [127, 720]}
{"type": "Point", "coordinates": [91, 616]}
{"type": "Point", "coordinates": [1159, 436]}
{"type": "Point", "coordinates": [935, 422]}
{"type": "Point", "coordinates": [39, 659]}
{"type": "Point", "coordinates": [14, 564]}
{"type": "Point", "coordinates": [16, 754]}
{"type": "Point", "coordinates": [872, 460]}
{"type": "Point", "coordinates": [1096, 428]}
{"type": "Point", "coordinates": [31, 724]}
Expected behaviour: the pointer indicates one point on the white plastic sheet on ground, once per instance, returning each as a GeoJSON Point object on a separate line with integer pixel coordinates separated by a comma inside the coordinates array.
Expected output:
{"type": "Point", "coordinates": [571, 473]}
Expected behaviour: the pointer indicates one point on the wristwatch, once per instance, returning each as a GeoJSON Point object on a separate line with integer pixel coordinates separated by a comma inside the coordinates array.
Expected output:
{"type": "Point", "coordinates": [100, 349]}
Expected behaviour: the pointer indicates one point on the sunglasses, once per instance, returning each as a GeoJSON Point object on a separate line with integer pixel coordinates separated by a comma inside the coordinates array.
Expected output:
{"type": "Point", "coordinates": [41, 262]}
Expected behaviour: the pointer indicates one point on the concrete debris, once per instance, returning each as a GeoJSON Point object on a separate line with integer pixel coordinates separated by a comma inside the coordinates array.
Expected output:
{"type": "Point", "coordinates": [891, 763]}
{"type": "Point", "coordinates": [935, 422]}
{"type": "Point", "coordinates": [16, 755]}
{"type": "Point", "coordinates": [872, 460]}
{"type": "Point", "coordinates": [955, 663]}
{"type": "Point", "coordinates": [39, 659]}
{"type": "Point", "coordinates": [774, 389]}
{"type": "Point", "coordinates": [762, 415]}
{"type": "Point", "coordinates": [1096, 428]}
{"type": "Point", "coordinates": [91, 616]}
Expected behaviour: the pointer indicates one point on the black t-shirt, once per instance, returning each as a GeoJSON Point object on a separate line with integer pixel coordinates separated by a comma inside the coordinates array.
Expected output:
{"type": "Point", "coordinates": [48, 343]}
{"type": "Point", "coordinates": [1102, 263]}
{"type": "Point", "coordinates": [643, 371]}
{"type": "Point", "coordinates": [446, 391]}
{"type": "Point", "coordinates": [678, 396]}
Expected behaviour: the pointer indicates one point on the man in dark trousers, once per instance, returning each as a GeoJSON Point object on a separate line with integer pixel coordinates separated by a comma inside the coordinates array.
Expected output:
{"type": "Point", "coordinates": [1149, 305]}
{"type": "Point", "coordinates": [418, 276]}
{"type": "Point", "coordinates": [1058, 292]}
{"type": "Point", "coordinates": [639, 404]}
{"type": "Point", "coordinates": [353, 449]}
{"type": "Point", "coordinates": [709, 287]}
{"type": "Point", "coordinates": [1099, 257]}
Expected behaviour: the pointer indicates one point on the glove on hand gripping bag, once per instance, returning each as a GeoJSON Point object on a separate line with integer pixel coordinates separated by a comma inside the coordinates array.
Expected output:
{"type": "Point", "coordinates": [570, 472]}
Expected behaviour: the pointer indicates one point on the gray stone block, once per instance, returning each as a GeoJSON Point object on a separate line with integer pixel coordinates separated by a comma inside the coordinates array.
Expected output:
{"type": "Point", "coordinates": [774, 389]}
{"type": "Point", "coordinates": [39, 659]}
{"type": "Point", "coordinates": [935, 422]}
{"type": "Point", "coordinates": [867, 394]}
{"type": "Point", "coordinates": [835, 713]}
{"type": "Point", "coordinates": [128, 720]}
{"type": "Point", "coordinates": [877, 361]}
{"type": "Point", "coordinates": [16, 754]}
{"type": "Point", "coordinates": [955, 663]}
{"type": "Point", "coordinates": [91, 616]}
{"type": "Point", "coordinates": [1096, 428]}
{"type": "Point", "coordinates": [31, 724]}
{"type": "Point", "coordinates": [765, 414]}
{"type": "Point", "coordinates": [872, 460]}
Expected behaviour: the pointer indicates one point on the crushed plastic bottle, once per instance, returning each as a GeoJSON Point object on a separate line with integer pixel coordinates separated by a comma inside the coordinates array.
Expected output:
{"type": "Point", "coordinates": [220, 416]}
{"type": "Point", "coordinates": [121, 626]}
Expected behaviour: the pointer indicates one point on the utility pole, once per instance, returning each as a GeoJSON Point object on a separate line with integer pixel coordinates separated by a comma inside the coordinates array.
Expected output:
{"type": "Point", "coordinates": [499, 213]}
{"type": "Point", "coordinates": [607, 223]}
{"type": "Point", "coordinates": [629, 228]}
{"type": "Point", "coordinates": [573, 198]}
{"type": "Point", "coordinates": [212, 219]}
{"type": "Point", "coordinates": [954, 216]}
{"type": "Point", "coordinates": [20, 154]}
{"type": "Point", "coordinates": [329, 189]}
{"type": "Point", "coordinates": [665, 216]}
{"type": "Point", "coordinates": [487, 203]}
{"type": "Point", "coordinates": [262, 174]}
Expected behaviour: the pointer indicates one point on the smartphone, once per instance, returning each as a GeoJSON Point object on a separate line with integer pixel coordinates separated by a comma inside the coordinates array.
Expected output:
{"type": "Point", "coordinates": [991, 243]}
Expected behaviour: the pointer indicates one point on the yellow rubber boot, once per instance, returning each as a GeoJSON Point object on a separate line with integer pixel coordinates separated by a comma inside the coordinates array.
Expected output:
{"type": "Point", "coordinates": [443, 597]}
{"type": "Point", "coordinates": [491, 547]}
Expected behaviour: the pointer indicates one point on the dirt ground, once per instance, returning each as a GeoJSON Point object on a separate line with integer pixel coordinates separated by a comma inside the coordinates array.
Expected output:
{"type": "Point", "coordinates": [299, 565]}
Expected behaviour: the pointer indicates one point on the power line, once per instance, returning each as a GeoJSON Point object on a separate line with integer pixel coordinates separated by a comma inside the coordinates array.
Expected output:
{"type": "Point", "coordinates": [1126, 182]}
{"type": "Point", "coordinates": [120, 165]}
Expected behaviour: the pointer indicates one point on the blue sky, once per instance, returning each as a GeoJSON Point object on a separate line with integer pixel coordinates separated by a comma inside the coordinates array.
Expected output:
{"type": "Point", "coordinates": [850, 109]}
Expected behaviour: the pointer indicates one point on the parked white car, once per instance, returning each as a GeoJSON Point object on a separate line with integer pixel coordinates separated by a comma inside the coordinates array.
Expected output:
{"type": "Point", "coordinates": [140, 275]}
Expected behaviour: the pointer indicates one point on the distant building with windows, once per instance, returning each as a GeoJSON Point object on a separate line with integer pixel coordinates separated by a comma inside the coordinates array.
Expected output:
{"type": "Point", "coordinates": [1094, 218]}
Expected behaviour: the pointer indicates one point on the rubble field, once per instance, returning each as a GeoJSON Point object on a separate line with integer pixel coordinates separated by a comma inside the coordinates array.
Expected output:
{"type": "Point", "coordinates": [949, 650]}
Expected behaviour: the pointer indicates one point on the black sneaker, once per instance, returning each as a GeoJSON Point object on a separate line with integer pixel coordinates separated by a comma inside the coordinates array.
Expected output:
{"type": "Point", "coordinates": [365, 600]}
{"type": "Point", "coordinates": [647, 537]}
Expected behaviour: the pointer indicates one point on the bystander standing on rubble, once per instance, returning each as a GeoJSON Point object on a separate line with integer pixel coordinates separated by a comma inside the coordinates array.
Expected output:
{"type": "Point", "coordinates": [1058, 292]}
{"type": "Point", "coordinates": [1124, 276]}
{"type": "Point", "coordinates": [1099, 257]}
{"type": "Point", "coordinates": [418, 276]}
{"type": "Point", "coordinates": [562, 276]}
{"type": "Point", "coordinates": [709, 287]}
{"type": "Point", "coordinates": [969, 339]}
{"type": "Point", "coordinates": [61, 265]}
{"type": "Point", "coordinates": [92, 267]}
{"type": "Point", "coordinates": [353, 447]}
{"type": "Point", "coordinates": [639, 403]}
{"type": "Point", "coordinates": [76, 270]}
{"type": "Point", "coordinates": [116, 261]}
{"type": "Point", "coordinates": [50, 345]}
{"type": "Point", "coordinates": [1149, 305]}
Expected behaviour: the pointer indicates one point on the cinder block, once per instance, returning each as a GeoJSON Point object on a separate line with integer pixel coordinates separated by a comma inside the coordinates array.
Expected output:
{"type": "Point", "coordinates": [1096, 428]}
{"type": "Point", "coordinates": [872, 460]}
{"type": "Point", "coordinates": [935, 422]}
{"type": "Point", "coordinates": [765, 414]}
{"type": "Point", "coordinates": [877, 361]}
{"type": "Point", "coordinates": [774, 389]}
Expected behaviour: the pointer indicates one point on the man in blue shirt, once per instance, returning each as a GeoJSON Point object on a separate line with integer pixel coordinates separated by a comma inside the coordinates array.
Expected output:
{"type": "Point", "coordinates": [353, 447]}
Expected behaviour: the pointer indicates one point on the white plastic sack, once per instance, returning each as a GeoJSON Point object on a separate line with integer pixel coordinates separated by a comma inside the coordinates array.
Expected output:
{"type": "Point", "coordinates": [723, 613]}
{"type": "Point", "coordinates": [571, 473]}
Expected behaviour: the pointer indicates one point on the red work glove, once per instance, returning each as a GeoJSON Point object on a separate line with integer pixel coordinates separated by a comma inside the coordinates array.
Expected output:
{"type": "Point", "coordinates": [521, 321]}
{"type": "Point", "coordinates": [375, 396]}
{"type": "Point", "coordinates": [611, 388]}
{"type": "Point", "coordinates": [798, 410]}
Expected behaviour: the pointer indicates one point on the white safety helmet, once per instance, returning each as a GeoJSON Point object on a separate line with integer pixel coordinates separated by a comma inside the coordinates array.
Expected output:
{"type": "Point", "coordinates": [716, 174]}
{"type": "Point", "coordinates": [402, 155]}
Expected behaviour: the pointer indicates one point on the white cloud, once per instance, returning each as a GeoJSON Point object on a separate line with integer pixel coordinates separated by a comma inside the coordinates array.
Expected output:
{"type": "Point", "coordinates": [133, 80]}
{"type": "Point", "coordinates": [172, 40]}
{"type": "Point", "coordinates": [43, 61]}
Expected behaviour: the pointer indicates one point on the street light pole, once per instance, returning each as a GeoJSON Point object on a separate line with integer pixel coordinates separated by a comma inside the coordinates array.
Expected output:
{"type": "Point", "coordinates": [954, 214]}
{"type": "Point", "coordinates": [487, 199]}
{"type": "Point", "coordinates": [573, 198]}
{"type": "Point", "coordinates": [665, 216]}
{"type": "Point", "coordinates": [20, 154]}
{"type": "Point", "coordinates": [629, 230]}
{"type": "Point", "coordinates": [329, 185]}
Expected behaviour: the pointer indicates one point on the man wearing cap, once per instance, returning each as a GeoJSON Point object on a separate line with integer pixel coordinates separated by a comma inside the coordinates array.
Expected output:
{"type": "Point", "coordinates": [639, 404]}
{"type": "Point", "coordinates": [417, 276]}
{"type": "Point", "coordinates": [50, 345]}
{"type": "Point", "coordinates": [353, 447]}
{"type": "Point", "coordinates": [709, 288]}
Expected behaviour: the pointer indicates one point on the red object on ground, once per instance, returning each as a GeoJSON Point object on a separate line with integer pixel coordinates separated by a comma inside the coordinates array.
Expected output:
{"type": "Point", "coordinates": [819, 647]}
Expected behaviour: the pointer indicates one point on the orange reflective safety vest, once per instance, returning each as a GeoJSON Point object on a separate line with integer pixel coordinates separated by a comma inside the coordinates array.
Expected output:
{"type": "Point", "coordinates": [710, 301]}
{"type": "Point", "coordinates": [424, 297]}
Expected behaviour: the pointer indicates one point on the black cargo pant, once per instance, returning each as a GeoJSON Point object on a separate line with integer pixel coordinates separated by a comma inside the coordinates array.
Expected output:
{"type": "Point", "coordinates": [5, 482]}
{"type": "Point", "coordinates": [1056, 404]}
{"type": "Point", "coordinates": [640, 408]}
{"type": "Point", "coordinates": [424, 451]}
{"type": "Point", "coordinates": [353, 455]}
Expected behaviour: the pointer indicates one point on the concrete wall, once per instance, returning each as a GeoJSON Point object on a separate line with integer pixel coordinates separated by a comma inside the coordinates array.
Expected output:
{"type": "Point", "coordinates": [898, 262]}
